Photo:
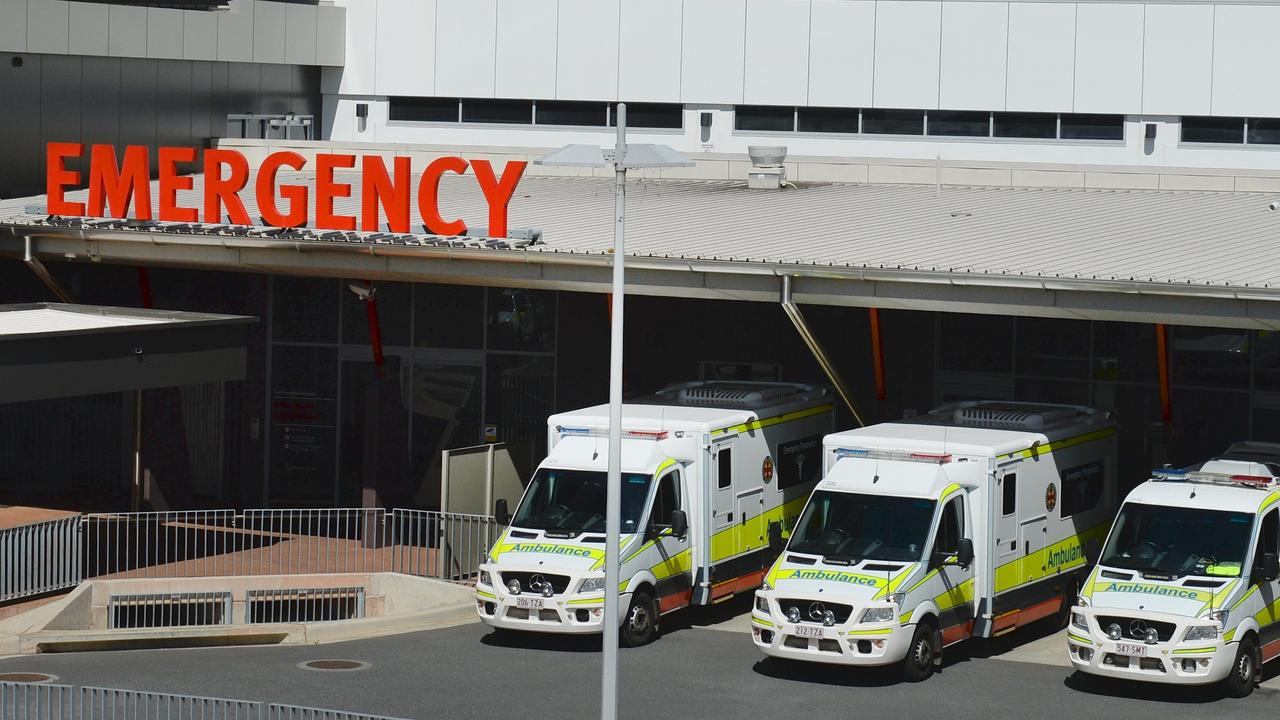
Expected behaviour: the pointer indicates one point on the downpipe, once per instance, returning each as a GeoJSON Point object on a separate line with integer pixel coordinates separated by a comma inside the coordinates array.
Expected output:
{"type": "Point", "coordinates": [42, 272]}
{"type": "Point", "coordinates": [797, 319]}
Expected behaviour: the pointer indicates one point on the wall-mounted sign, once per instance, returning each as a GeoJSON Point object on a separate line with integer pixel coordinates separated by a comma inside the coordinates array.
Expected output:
{"type": "Point", "coordinates": [121, 189]}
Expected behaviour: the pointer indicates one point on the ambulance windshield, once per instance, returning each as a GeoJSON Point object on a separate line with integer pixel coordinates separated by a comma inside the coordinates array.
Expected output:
{"type": "Point", "coordinates": [1179, 541]}
{"type": "Point", "coordinates": [848, 527]}
{"type": "Point", "coordinates": [572, 501]}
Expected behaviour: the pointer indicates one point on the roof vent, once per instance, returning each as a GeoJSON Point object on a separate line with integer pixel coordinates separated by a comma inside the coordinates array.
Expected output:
{"type": "Point", "coordinates": [767, 170]}
{"type": "Point", "coordinates": [726, 394]}
{"type": "Point", "coordinates": [1014, 417]}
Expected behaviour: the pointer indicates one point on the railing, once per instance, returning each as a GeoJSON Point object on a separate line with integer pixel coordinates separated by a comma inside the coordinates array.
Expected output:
{"type": "Point", "coordinates": [22, 701]}
{"type": "Point", "coordinates": [42, 558]}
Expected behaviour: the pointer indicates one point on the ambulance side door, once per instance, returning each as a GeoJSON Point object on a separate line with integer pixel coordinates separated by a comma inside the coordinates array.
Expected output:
{"type": "Point", "coordinates": [723, 499]}
{"type": "Point", "coordinates": [674, 568]}
{"type": "Point", "coordinates": [955, 604]}
{"type": "Point", "coordinates": [1268, 591]}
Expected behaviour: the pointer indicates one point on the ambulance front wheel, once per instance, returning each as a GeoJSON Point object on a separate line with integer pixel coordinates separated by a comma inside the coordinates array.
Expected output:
{"type": "Point", "coordinates": [1239, 682]}
{"type": "Point", "coordinates": [918, 665]}
{"type": "Point", "coordinates": [640, 625]}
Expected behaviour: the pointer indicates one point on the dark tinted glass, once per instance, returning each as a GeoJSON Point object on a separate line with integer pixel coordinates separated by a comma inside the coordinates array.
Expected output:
{"type": "Point", "coordinates": [724, 460]}
{"type": "Point", "coordinates": [1212, 130]}
{"type": "Point", "coordinates": [964, 124]}
{"type": "Point", "coordinates": [1092, 127]}
{"type": "Point", "coordinates": [893, 122]}
{"type": "Point", "coordinates": [1026, 125]}
{"type": "Point", "coordinates": [652, 115]}
{"type": "Point", "coordinates": [1264, 131]}
{"type": "Point", "coordinates": [422, 109]}
{"type": "Point", "coordinates": [560, 112]}
{"type": "Point", "coordinates": [838, 120]}
{"type": "Point", "coordinates": [518, 112]}
{"type": "Point", "coordinates": [758, 117]}
{"type": "Point", "coordinates": [1009, 495]}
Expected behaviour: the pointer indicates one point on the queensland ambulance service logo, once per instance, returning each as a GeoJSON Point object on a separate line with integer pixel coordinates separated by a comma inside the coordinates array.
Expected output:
{"type": "Point", "coordinates": [1051, 497]}
{"type": "Point", "coordinates": [766, 468]}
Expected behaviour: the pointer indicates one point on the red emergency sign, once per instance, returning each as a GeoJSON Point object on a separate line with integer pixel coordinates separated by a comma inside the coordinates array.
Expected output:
{"type": "Point", "coordinates": [121, 188]}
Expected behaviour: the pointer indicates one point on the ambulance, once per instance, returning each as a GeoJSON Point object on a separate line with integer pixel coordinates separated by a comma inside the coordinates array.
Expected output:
{"type": "Point", "coordinates": [709, 470]}
{"type": "Point", "coordinates": [972, 521]}
{"type": "Point", "coordinates": [1186, 589]}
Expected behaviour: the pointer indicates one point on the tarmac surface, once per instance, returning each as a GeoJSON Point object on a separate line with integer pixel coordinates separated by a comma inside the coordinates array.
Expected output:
{"type": "Point", "coordinates": [704, 666]}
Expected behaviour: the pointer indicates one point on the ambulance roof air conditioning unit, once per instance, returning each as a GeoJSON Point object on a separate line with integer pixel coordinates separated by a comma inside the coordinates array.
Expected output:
{"type": "Point", "coordinates": [767, 170]}
{"type": "Point", "coordinates": [1015, 416]}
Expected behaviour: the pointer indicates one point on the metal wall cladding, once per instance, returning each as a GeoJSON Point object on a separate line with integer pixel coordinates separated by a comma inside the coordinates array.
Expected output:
{"type": "Point", "coordinates": [131, 101]}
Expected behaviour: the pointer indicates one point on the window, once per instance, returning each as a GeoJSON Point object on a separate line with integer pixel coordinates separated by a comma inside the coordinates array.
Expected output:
{"type": "Point", "coordinates": [665, 501]}
{"type": "Point", "coordinates": [1026, 125]}
{"type": "Point", "coordinates": [514, 112]}
{"type": "Point", "coordinates": [1263, 131]}
{"type": "Point", "coordinates": [1092, 127]}
{"type": "Point", "coordinates": [1268, 538]}
{"type": "Point", "coordinates": [950, 529]}
{"type": "Point", "coordinates": [1081, 488]}
{"type": "Point", "coordinates": [1212, 130]}
{"type": "Point", "coordinates": [961, 124]}
{"type": "Point", "coordinates": [893, 122]}
{"type": "Point", "coordinates": [724, 460]}
{"type": "Point", "coordinates": [764, 118]}
{"type": "Point", "coordinates": [833, 120]}
{"type": "Point", "coordinates": [420, 109]}
{"type": "Point", "coordinates": [799, 462]}
{"type": "Point", "coordinates": [652, 115]}
{"type": "Point", "coordinates": [1009, 502]}
{"type": "Point", "coordinates": [561, 112]}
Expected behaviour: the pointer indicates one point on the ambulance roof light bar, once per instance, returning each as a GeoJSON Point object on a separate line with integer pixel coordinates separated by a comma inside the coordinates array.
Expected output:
{"type": "Point", "coordinates": [604, 432]}
{"type": "Point", "coordinates": [904, 455]}
{"type": "Point", "coordinates": [1186, 475]}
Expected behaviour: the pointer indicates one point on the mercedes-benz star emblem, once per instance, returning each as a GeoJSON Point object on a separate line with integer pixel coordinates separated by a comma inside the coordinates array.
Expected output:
{"type": "Point", "coordinates": [536, 582]}
{"type": "Point", "coordinates": [1137, 628]}
{"type": "Point", "coordinates": [817, 611]}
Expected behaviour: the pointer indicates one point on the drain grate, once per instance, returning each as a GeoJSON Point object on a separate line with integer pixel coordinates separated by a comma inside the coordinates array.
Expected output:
{"type": "Point", "coordinates": [333, 665]}
{"type": "Point", "coordinates": [304, 605]}
{"type": "Point", "coordinates": [27, 677]}
{"type": "Point", "coordinates": [168, 610]}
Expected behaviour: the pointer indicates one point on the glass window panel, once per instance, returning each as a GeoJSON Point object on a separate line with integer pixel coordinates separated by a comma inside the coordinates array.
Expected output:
{"type": "Point", "coordinates": [1093, 127]}
{"type": "Point", "coordinates": [393, 304]}
{"type": "Point", "coordinates": [1212, 130]}
{"type": "Point", "coordinates": [1210, 357]}
{"type": "Point", "coordinates": [1205, 423]}
{"type": "Point", "coordinates": [1124, 352]}
{"type": "Point", "coordinates": [304, 309]}
{"type": "Point", "coordinates": [513, 112]}
{"type": "Point", "coordinates": [1266, 360]}
{"type": "Point", "coordinates": [448, 316]}
{"type": "Point", "coordinates": [834, 120]}
{"type": "Point", "coordinates": [304, 414]}
{"type": "Point", "coordinates": [420, 109]}
{"type": "Point", "coordinates": [1052, 347]}
{"type": "Point", "coordinates": [1051, 391]}
{"type": "Point", "coordinates": [981, 343]}
{"type": "Point", "coordinates": [445, 403]}
{"type": "Point", "coordinates": [378, 407]}
{"type": "Point", "coordinates": [519, 396]}
{"type": "Point", "coordinates": [562, 112]}
{"type": "Point", "coordinates": [893, 122]}
{"type": "Point", "coordinates": [766, 118]}
{"type": "Point", "coordinates": [522, 319]}
{"type": "Point", "coordinates": [1026, 125]}
{"type": "Point", "coordinates": [1264, 131]}
{"type": "Point", "coordinates": [652, 115]}
{"type": "Point", "coordinates": [960, 124]}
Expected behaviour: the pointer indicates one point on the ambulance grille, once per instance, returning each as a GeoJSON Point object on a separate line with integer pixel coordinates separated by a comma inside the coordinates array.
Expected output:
{"type": "Point", "coordinates": [807, 607]}
{"type": "Point", "coordinates": [1136, 628]}
{"type": "Point", "coordinates": [1015, 416]}
{"type": "Point", "coordinates": [559, 583]}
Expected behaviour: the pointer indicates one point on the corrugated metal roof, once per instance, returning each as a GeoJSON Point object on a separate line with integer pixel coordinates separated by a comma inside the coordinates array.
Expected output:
{"type": "Point", "coordinates": [52, 320]}
{"type": "Point", "coordinates": [1172, 238]}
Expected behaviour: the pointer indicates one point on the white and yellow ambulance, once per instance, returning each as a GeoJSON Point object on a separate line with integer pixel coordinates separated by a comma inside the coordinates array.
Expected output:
{"type": "Point", "coordinates": [969, 522]}
{"type": "Point", "coordinates": [707, 469]}
{"type": "Point", "coordinates": [1186, 589]}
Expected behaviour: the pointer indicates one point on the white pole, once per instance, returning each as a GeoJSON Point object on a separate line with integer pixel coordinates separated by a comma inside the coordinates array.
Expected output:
{"type": "Point", "coordinates": [613, 503]}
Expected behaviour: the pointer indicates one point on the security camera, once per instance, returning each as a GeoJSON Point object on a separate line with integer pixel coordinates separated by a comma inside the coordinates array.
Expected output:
{"type": "Point", "coordinates": [1274, 206]}
{"type": "Point", "coordinates": [362, 292]}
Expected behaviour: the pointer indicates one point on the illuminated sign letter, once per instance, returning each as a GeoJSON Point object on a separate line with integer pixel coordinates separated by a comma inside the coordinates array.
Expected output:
{"type": "Point", "coordinates": [58, 177]}
{"type": "Point", "coordinates": [498, 192]}
{"type": "Point", "coordinates": [327, 190]}
{"type": "Point", "coordinates": [171, 182]}
{"type": "Point", "coordinates": [295, 194]}
{"type": "Point", "coordinates": [222, 192]}
{"type": "Point", "coordinates": [378, 188]}
{"type": "Point", "coordinates": [110, 187]}
{"type": "Point", "coordinates": [429, 196]}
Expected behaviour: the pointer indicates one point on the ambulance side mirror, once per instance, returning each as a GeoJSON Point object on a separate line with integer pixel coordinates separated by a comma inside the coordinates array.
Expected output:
{"type": "Point", "coordinates": [775, 537]}
{"type": "Point", "coordinates": [679, 523]}
{"type": "Point", "coordinates": [500, 512]}
{"type": "Point", "coordinates": [1269, 570]}
{"type": "Point", "coordinates": [964, 552]}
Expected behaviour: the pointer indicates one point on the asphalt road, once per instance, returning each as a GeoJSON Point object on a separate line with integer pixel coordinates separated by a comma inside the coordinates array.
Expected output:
{"type": "Point", "coordinates": [468, 672]}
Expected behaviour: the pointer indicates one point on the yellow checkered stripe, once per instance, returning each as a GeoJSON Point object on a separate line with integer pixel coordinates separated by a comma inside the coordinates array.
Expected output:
{"type": "Point", "coordinates": [775, 420]}
{"type": "Point", "coordinates": [1065, 554]}
{"type": "Point", "coordinates": [1060, 444]}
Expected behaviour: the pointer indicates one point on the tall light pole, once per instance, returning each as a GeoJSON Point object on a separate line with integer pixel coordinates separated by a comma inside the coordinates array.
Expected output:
{"type": "Point", "coordinates": [622, 157]}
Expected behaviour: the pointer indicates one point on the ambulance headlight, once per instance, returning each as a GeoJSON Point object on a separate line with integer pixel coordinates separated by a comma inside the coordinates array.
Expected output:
{"type": "Point", "coordinates": [486, 579]}
{"type": "Point", "coordinates": [1078, 620]}
{"type": "Point", "coordinates": [877, 614]}
{"type": "Point", "coordinates": [793, 614]}
{"type": "Point", "coordinates": [762, 605]}
{"type": "Point", "coordinates": [1202, 632]}
{"type": "Point", "coordinates": [591, 584]}
{"type": "Point", "coordinates": [1113, 631]}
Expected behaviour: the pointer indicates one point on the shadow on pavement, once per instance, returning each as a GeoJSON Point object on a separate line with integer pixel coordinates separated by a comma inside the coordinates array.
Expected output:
{"type": "Point", "coordinates": [1137, 690]}
{"type": "Point", "coordinates": [549, 642]}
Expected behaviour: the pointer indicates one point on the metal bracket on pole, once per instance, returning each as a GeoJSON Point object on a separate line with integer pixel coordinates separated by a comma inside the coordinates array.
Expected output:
{"type": "Point", "coordinates": [42, 272]}
{"type": "Point", "coordinates": [797, 318]}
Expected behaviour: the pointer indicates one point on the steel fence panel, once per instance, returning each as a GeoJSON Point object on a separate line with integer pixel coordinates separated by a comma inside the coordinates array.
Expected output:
{"type": "Point", "coordinates": [444, 546]}
{"type": "Point", "coordinates": [40, 558]}
{"type": "Point", "coordinates": [36, 701]}
{"type": "Point", "coordinates": [39, 701]}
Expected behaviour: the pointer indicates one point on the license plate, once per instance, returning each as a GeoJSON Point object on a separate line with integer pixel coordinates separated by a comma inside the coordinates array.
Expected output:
{"type": "Point", "coordinates": [809, 632]}
{"type": "Point", "coordinates": [529, 602]}
{"type": "Point", "coordinates": [1131, 649]}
